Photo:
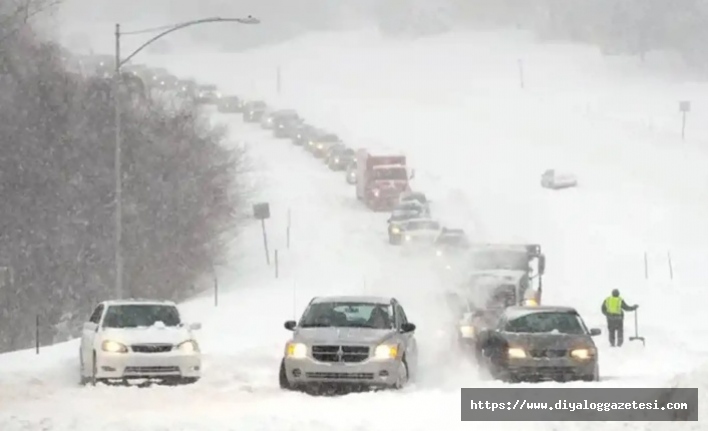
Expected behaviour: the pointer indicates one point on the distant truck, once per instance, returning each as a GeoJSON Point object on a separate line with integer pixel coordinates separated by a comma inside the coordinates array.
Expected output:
{"type": "Point", "coordinates": [381, 180]}
{"type": "Point", "coordinates": [510, 271]}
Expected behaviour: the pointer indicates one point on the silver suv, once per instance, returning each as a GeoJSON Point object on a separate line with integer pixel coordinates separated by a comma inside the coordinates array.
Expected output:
{"type": "Point", "coordinates": [350, 340]}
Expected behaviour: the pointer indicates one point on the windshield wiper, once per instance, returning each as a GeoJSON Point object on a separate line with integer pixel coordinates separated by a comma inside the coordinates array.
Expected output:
{"type": "Point", "coordinates": [318, 325]}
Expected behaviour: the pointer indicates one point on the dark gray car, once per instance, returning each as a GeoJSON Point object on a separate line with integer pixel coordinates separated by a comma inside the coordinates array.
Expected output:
{"type": "Point", "coordinates": [350, 340]}
{"type": "Point", "coordinates": [539, 343]}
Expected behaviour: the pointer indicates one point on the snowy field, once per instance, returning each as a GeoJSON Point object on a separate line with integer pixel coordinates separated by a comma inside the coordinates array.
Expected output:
{"type": "Point", "coordinates": [479, 143]}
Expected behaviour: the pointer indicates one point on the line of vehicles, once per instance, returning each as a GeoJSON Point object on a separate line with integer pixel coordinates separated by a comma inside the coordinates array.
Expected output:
{"type": "Point", "coordinates": [494, 293]}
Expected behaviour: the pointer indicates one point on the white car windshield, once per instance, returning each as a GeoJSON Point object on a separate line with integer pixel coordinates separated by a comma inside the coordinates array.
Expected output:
{"type": "Point", "coordinates": [535, 323]}
{"type": "Point", "coordinates": [500, 259]}
{"type": "Point", "coordinates": [140, 315]}
{"type": "Point", "coordinates": [348, 315]}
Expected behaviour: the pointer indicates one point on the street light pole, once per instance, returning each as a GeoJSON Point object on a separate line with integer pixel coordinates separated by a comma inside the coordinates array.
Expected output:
{"type": "Point", "coordinates": [117, 80]}
{"type": "Point", "coordinates": [118, 171]}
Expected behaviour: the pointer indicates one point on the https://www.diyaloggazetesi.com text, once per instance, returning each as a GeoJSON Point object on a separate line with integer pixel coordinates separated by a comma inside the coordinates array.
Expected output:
{"type": "Point", "coordinates": [578, 404]}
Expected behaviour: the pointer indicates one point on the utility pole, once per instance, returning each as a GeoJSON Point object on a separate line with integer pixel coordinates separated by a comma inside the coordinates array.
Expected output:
{"type": "Point", "coordinates": [117, 84]}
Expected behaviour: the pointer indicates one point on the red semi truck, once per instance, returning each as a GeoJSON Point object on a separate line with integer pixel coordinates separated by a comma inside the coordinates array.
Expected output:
{"type": "Point", "coordinates": [381, 180]}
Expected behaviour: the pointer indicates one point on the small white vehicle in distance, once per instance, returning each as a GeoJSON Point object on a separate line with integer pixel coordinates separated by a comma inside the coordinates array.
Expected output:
{"type": "Point", "coordinates": [555, 180]}
{"type": "Point", "coordinates": [420, 233]}
{"type": "Point", "coordinates": [139, 340]}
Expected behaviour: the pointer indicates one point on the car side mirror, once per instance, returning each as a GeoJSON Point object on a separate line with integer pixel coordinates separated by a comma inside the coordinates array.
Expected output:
{"type": "Point", "coordinates": [542, 264]}
{"type": "Point", "coordinates": [595, 332]}
{"type": "Point", "coordinates": [195, 326]}
{"type": "Point", "coordinates": [290, 325]}
{"type": "Point", "coordinates": [407, 328]}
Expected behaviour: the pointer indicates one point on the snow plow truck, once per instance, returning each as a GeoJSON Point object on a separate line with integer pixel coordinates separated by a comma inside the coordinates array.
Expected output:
{"type": "Point", "coordinates": [381, 180]}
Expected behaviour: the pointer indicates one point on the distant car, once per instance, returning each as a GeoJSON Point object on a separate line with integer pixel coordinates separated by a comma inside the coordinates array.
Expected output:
{"type": "Point", "coordinates": [271, 119]}
{"type": "Point", "coordinates": [187, 88]}
{"type": "Point", "coordinates": [450, 247]}
{"type": "Point", "coordinates": [340, 158]}
{"type": "Point", "coordinates": [350, 341]}
{"type": "Point", "coordinates": [539, 343]}
{"type": "Point", "coordinates": [134, 339]}
{"type": "Point", "coordinates": [420, 232]}
{"type": "Point", "coordinates": [351, 172]}
{"type": "Point", "coordinates": [552, 179]}
{"type": "Point", "coordinates": [398, 218]}
{"type": "Point", "coordinates": [301, 134]}
{"type": "Point", "coordinates": [228, 105]}
{"type": "Point", "coordinates": [413, 204]}
{"type": "Point", "coordinates": [414, 196]}
{"type": "Point", "coordinates": [286, 127]}
{"type": "Point", "coordinates": [321, 142]}
{"type": "Point", "coordinates": [253, 111]}
{"type": "Point", "coordinates": [208, 94]}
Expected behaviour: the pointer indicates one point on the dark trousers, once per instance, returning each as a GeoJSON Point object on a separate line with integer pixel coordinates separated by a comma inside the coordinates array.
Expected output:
{"type": "Point", "coordinates": [615, 329]}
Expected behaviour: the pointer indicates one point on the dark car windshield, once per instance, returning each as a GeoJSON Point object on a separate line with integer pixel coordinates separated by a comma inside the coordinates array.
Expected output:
{"type": "Point", "coordinates": [423, 225]}
{"type": "Point", "coordinates": [348, 315]}
{"type": "Point", "coordinates": [543, 322]}
{"type": "Point", "coordinates": [500, 259]}
{"type": "Point", "coordinates": [140, 315]}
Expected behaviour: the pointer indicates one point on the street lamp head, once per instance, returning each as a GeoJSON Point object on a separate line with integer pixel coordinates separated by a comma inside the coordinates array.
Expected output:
{"type": "Point", "coordinates": [249, 20]}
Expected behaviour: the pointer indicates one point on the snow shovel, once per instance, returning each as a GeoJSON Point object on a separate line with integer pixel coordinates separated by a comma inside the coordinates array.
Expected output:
{"type": "Point", "coordinates": [636, 330]}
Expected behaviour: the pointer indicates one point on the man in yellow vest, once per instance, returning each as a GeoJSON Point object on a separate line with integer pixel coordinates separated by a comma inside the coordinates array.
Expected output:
{"type": "Point", "coordinates": [613, 307]}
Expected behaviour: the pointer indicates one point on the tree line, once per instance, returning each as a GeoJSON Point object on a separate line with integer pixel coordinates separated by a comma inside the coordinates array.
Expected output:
{"type": "Point", "coordinates": [182, 189]}
{"type": "Point", "coordinates": [618, 27]}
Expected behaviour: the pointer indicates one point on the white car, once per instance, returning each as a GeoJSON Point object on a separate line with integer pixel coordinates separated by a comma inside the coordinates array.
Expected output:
{"type": "Point", "coordinates": [134, 339]}
{"type": "Point", "coordinates": [420, 232]}
{"type": "Point", "coordinates": [552, 179]}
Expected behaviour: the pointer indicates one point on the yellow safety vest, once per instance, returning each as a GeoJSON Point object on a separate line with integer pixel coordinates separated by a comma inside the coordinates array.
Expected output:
{"type": "Point", "coordinates": [613, 305]}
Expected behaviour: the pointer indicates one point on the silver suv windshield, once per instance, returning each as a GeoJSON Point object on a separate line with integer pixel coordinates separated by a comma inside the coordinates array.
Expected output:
{"type": "Point", "coordinates": [140, 315]}
{"type": "Point", "coordinates": [348, 315]}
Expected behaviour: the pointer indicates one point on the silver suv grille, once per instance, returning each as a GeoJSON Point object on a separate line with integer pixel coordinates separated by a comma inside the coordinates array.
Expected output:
{"type": "Point", "coordinates": [340, 353]}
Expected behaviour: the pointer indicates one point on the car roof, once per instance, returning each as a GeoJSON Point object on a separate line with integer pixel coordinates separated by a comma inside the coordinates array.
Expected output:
{"type": "Point", "coordinates": [363, 298]}
{"type": "Point", "coordinates": [520, 311]}
{"type": "Point", "coordinates": [389, 166]}
{"type": "Point", "coordinates": [135, 301]}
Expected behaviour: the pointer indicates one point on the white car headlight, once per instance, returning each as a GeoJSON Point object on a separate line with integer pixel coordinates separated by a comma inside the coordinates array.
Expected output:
{"type": "Point", "coordinates": [320, 146]}
{"type": "Point", "coordinates": [439, 253]}
{"type": "Point", "coordinates": [385, 351]}
{"type": "Point", "coordinates": [111, 346]}
{"type": "Point", "coordinates": [395, 230]}
{"type": "Point", "coordinates": [408, 238]}
{"type": "Point", "coordinates": [296, 350]}
{"type": "Point", "coordinates": [189, 346]}
{"type": "Point", "coordinates": [376, 192]}
{"type": "Point", "coordinates": [336, 160]}
{"type": "Point", "coordinates": [467, 331]}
